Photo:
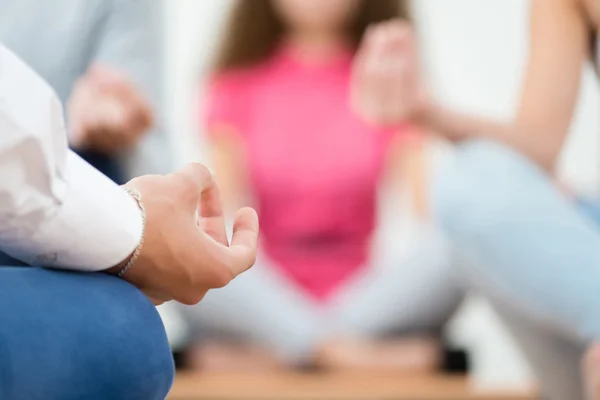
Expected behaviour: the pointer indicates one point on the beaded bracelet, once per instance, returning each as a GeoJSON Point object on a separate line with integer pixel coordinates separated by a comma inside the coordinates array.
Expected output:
{"type": "Point", "coordinates": [137, 196]}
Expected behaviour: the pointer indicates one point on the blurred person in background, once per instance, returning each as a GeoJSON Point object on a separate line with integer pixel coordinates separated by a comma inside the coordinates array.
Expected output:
{"type": "Point", "coordinates": [532, 249]}
{"type": "Point", "coordinates": [103, 58]}
{"type": "Point", "coordinates": [284, 138]}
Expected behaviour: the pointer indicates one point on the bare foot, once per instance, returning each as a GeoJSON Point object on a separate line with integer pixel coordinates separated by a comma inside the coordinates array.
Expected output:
{"type": "Point", "coordinates": [407, 355]}
{"type": "Point", "coordinates": [591, 372]}
{"type": "Point", "coordinates": [233, 358]}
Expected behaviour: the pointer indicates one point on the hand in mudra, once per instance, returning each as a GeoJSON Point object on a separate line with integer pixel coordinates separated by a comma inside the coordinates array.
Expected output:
{"type": "Point", "coordinates": [185, 250]}
{"type": "Point", "coordinates": [107, 112]}
{"type": "Point", "coordinates": [386, 85]}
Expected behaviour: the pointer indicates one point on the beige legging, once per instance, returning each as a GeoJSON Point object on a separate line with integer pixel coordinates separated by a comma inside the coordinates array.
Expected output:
{"type": "Point", "coordinates": [409, 291]}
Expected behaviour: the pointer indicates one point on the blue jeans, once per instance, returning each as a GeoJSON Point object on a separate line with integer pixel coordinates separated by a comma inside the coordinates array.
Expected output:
{"type": "Point", "coordinates": [531, 250]}
{"type": "Point", "coordinates": [82, 336]}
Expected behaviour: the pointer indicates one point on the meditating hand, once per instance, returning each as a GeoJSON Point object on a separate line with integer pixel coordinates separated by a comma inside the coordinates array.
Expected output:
{"type": "Point", "coordinates": [184, 250]}
{"type": "Point", "coordinates": [386, 84]}
{"type": "Point", "coordinates": [107, 113]}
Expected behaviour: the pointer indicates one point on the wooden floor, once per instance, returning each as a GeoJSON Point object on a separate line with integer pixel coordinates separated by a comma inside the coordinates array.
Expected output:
{"type": "Point", "coordinates": [331, 387]}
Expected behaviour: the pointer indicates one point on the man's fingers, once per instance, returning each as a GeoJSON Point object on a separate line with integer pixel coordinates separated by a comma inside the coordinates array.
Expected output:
{"type": "Point", "coordinates": [197, 175]}
{"type": "Point", "coordinates": [212, 221]}
{"type": "Point", "coordinates": [190, 182]}
{"type": "Point", "coordinates": [244, 240]}
{"type": "Point", "coordinates": [245, 228]}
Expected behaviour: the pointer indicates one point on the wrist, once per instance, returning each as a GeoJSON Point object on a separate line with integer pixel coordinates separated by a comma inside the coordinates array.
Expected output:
{"type": "Point", "coordinates": [115, 270]}
{"type": "Point", "coordinates": [428, 112]}
{"type": "Point", "coordinates": [125, 265]}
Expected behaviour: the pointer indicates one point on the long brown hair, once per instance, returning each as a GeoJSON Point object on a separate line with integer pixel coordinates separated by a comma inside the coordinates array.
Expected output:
{"type": "Point", "coordinates": [254, 29]}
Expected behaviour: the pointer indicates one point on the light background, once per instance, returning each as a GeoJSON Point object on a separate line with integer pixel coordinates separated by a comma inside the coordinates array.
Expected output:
{"type": "Point", "coordinates": [475, 53]}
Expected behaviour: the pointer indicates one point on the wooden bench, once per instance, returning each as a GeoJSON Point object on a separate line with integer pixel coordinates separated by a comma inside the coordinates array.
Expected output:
{"type": "Point", "coordinates": [332, 387]}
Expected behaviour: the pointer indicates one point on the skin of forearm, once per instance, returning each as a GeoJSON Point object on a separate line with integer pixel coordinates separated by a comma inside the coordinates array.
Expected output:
{"type": "Point", "coordinates": [458, 127]}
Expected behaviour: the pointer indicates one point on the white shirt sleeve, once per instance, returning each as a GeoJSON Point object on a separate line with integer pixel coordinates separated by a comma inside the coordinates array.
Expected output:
{"type": "Point", "coordinates": [55, 209]}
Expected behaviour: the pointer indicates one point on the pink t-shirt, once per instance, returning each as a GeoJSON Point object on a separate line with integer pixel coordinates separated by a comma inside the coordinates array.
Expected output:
{"type": "Point", "coordinates": [314, 165]}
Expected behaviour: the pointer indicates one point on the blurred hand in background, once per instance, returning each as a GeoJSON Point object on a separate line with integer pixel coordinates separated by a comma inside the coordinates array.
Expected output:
{"type": "Point", "coordinates": [107, 113]}
{"type": "Point", "coordinates": [386, 83]}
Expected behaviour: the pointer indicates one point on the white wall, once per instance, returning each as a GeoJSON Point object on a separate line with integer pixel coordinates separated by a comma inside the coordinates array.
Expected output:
{"type": "Point", "coordinates": [192, 32]}
{"type": "Point", "coordinates": [475, 52]}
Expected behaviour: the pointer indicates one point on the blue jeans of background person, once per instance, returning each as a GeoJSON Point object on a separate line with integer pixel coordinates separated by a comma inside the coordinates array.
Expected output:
{"type": "Point", "coordinates": [533, 252]}
{"type": "Point", "coordinates": [108, 165]}
{"type": "Point", "coordinates": [71, 336]}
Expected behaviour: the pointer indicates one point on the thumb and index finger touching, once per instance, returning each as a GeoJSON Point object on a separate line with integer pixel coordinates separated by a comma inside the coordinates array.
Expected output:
{"type": "Point", "coordinates": [206, 202]}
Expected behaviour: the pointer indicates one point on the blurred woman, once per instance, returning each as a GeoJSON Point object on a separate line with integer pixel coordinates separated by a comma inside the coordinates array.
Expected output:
{"type": "Point", "coordinates": [284, 139]}
{"type": "Point", "coordinates": [534, 251]}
